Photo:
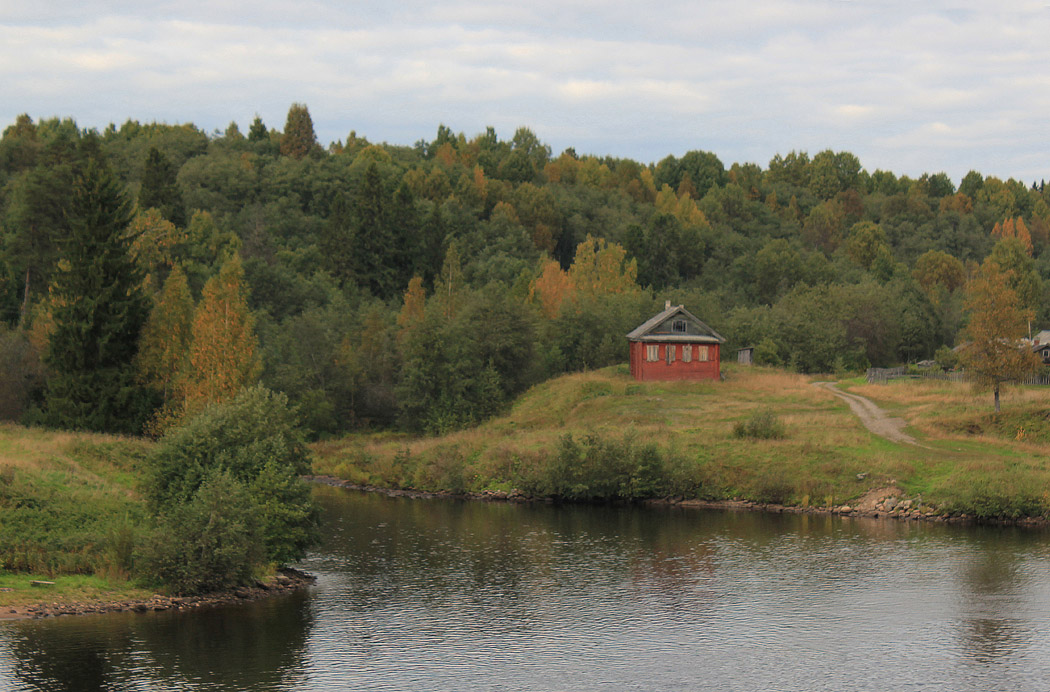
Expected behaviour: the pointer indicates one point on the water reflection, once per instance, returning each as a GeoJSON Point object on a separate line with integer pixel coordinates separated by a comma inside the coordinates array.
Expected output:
{"type": "Point", "coordinates": [250, 646]}
{"type": "Point", "coordinates": [444, 595]}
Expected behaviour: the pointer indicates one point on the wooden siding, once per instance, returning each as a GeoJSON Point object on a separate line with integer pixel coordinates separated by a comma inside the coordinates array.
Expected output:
{"type": "Point", "coordinates": [660, 369]}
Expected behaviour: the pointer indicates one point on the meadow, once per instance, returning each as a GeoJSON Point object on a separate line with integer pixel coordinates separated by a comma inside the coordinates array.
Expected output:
{"type": "Point", "coordinates": [683, 439]}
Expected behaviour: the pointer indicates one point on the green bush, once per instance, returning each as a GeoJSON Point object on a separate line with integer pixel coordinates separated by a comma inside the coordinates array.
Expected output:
{"type": "Point", "coordinates": [594, 468]}
{"type": "Point", "coordinates": [210, 543]}
{"type": "Point", "coordinates": [255, 438]}
{"type": "Point", "coordinates": [762, 425]}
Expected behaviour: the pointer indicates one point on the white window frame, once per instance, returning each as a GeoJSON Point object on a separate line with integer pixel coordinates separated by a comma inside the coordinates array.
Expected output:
{"type": "Point", "coordinates": [703, 354]}
{"type": "Point", "coordinates": [671, 353]}
{"type": "Point", "coordinates": [652, 352]}
{"type": "Point", "coordinates": [687, 353]}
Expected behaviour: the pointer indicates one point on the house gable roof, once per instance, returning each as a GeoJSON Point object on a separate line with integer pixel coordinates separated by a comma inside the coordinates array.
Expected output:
{"type": "Point", "coordinates": [660, 328]}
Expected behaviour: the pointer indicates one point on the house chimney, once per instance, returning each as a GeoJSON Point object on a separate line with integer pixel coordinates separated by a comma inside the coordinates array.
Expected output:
{"type": "Point", "coordinates": [667, 305]}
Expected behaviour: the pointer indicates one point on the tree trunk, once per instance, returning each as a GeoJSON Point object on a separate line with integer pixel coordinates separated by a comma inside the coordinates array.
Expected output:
{"type": "Point", "coordinates": [996, 390]}
{"type": "Point", "coordinates": [25, 301]}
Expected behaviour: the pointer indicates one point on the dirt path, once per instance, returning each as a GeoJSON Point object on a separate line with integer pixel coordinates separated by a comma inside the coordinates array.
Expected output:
{"type": "Point", "coordinates": [873, 417]}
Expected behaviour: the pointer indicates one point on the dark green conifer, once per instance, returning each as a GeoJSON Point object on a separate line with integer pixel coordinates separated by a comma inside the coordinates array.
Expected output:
{"type": "Point", "coordinates": [257, 132]}
{"type": "Point", "coordinates": [298, 139]}
{"type": "Point", "coordinates": [159, 190]}
{"type": "Point", "coordinates": [98, 310]}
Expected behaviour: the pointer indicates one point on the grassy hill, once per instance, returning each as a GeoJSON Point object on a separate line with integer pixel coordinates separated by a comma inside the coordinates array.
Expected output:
{"type": "Point", "coordinates": [68, 508]}
{"type": "Point", "coordinates": [683, 433]}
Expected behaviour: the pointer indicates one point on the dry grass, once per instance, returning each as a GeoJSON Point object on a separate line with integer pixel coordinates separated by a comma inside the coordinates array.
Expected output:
{"type": "Point", "coordinates": [967, 461]}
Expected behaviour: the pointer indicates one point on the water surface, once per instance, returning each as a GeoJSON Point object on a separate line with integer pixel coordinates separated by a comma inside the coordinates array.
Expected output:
{"type": "Point", "coordinates": [445, 595]}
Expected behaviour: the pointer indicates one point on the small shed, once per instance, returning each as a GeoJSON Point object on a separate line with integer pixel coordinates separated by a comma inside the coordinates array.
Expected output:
{"type": "Point", "coordinates": [745, 355]}
{"type": "Point", "coordinates": [675, 345]}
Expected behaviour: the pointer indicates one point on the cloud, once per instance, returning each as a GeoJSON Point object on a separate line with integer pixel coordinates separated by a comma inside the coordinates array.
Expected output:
{"type": "Point", "coordinates": [913, 87]}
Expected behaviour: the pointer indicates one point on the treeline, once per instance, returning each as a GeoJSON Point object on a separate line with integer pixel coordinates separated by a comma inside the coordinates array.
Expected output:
{"type": "Point", "coordinates": [425, 286]}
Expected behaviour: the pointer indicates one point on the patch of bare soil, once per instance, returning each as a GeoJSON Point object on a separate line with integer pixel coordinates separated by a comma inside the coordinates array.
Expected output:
{"type": "Point", "coordinates": [873, 417]}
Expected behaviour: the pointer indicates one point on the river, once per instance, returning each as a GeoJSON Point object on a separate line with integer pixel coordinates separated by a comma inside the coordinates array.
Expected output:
{"type": "Point", "coordinates": [447, 595]}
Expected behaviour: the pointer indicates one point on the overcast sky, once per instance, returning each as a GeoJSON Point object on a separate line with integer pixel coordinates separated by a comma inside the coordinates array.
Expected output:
{"type": "Point", "coordinates": [907, 86]}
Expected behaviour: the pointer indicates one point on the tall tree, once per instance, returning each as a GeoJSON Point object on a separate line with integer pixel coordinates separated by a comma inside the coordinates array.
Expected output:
{"type": "Point", "coordinates": [159, 190]}
{"type": "Point", "coordinates": [374, 250]}
{"type": "Point", "coordinates": [299, 139]}
{"type": "Point", "coordinates": [165, 341]}
{"type": "Point", "coordinates": [98, 310]}
{"type": "Point", "coordinates": [224, 355]}
{"type": "Point", "coordinates": [994, 354]}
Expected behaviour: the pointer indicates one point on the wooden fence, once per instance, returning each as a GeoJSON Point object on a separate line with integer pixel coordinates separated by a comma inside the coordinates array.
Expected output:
{"type": "Point", "coordinates": [884, 375]}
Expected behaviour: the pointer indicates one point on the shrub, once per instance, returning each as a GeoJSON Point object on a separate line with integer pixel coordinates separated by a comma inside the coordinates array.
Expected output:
{"type": "Point", "coordinates": [762, 425]}
{"type": "Point", "coordinates": [255, 439]}
{"type": "Point", "coordinates": [593, 468]}
{"type": "Point", "coordinates": [210, 543]}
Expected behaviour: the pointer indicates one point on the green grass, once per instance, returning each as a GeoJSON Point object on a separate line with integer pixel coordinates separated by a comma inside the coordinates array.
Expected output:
{"type": "Point", "coordinates": [17, 590]}
{"type": "Point", "coordinates": [68, 501]}
{"type": "Point", "coordinates": [691, 425]}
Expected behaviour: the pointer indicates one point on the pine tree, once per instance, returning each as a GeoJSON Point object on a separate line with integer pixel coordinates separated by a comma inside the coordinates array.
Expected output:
{"type": "Point", "coordinates": [98, 312]}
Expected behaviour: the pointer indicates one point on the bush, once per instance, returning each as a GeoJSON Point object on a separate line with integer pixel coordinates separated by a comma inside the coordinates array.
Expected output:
{"type": "Point", "coordinates": [594, 468]}
{"type": "Point", "coordinates": [255, 439]}
{"type": "Point", "coordinates": [762, 425]}
{"type": "Point", "coordinates": [210, 543]}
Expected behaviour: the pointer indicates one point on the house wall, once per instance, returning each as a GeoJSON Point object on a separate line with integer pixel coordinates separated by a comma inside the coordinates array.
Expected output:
{"type": "Point", "coordinates": [641, 369]}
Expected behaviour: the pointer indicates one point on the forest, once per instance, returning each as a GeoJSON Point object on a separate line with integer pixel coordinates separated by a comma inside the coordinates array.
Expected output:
{"type": "Point", "coordinates": [148, 270]}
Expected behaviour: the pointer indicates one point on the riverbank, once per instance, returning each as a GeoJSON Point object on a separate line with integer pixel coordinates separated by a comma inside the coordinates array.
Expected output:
{"type": "Point", "coordinates": [881, 503]}
{"type": "Point", "coordinates": [567, 438]}
{"type": "Point", "coordinates": [285, 581]}
{"type": "Point", "coordinates": [72, 518]}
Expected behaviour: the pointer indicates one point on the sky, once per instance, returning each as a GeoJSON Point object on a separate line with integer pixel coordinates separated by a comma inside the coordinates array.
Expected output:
{"type": "Point", "coordinates": [909, 87]}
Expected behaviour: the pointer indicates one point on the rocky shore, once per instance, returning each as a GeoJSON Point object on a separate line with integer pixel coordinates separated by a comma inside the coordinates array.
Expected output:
{"type": "Point", "coordinates": [285, 581]}
{"type": "Point", "coordinates": [885, 503]}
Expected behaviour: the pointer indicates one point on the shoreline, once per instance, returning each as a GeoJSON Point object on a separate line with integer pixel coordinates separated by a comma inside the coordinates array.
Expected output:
{"type": "Point", "coordinates": [285, 581]}
{"type": "Point", "coordinates": [875, 504]}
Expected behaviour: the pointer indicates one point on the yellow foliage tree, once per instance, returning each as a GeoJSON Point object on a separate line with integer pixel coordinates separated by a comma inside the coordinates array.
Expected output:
{"type": "Point", "coordinates": [994, 353]}
{"type": "Point", "coordinates": [1014, 228]}
{"type": "Point", "coordinates": [165, 339]}
{"type": "Point", "coordinates": [412, 312]}
{"type": "Point", "coordinates": [223, 355]}
{"type": "Point", "coordinates": [156, 240]}
{"type": "Point", "coordinates": [551, 288]}
{"type": "Point", "coordinates": [600, 267]}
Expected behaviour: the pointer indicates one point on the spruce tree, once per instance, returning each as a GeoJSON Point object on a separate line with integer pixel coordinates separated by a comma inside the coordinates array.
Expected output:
{"type": "Point", "coordinates": [159, 190]}
{"type": "Point", "coordinates": [298, 139]}
{"type": "Point", "coordinates": [257, 132]}
{"type": "Point", "coordinates": [98, 311]}
{"type": "Point", "coordinates": [373, 241]}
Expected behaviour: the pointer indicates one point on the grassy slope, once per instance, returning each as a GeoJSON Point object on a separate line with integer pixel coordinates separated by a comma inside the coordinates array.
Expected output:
{"type": "Point", "coordinates": [66, 499]}
{"type": "Point", "coordinates": [817, 463]}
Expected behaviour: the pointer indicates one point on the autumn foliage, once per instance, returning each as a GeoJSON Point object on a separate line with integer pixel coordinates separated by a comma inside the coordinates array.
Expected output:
{"type": "Point", "coordinates": [994, 352]}
{"type": "Point", "coordinates": [1014, 228]}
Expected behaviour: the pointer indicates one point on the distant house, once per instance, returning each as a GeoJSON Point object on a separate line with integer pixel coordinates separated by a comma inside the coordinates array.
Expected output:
{"type": "Point", "coordinates": [1043, 350]}
{"type": "Point", "coordinates": [1041, 345]}
{"type": "Point", "coordinates": [675, 345]}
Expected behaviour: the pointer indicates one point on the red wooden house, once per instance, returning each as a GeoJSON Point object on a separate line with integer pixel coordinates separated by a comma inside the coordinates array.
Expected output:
{"type": "Point", "coordinates": [675, 345]}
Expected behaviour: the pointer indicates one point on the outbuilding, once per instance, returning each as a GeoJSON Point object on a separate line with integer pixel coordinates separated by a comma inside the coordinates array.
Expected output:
{"type": "Point", "coordinates": [675, 345]}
